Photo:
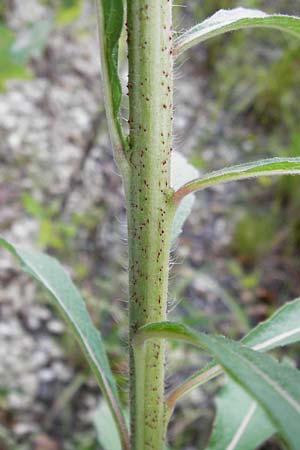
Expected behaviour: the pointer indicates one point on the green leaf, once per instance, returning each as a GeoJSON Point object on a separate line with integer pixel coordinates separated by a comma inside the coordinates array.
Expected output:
{"type": "Point", "coordinates": [282, 328]}
{"type": "Point", "coordinates": [235, 19]}
{"type": "Point", "coordinates": [236, 426]}
{"type": "Point", "coordinates": [181, 173]}
{"type": "Point", "coordinates": [51, 275]}
{"type": "Point", "coordinates": [242, 427]}
{"type": "Point", "coordinates": [107, 432]}
{"type": "Point", "coordinates": [274, 386]}
{"type": "Point", "coordinates": [110, 20]}
{"type": "Point", "coordinates": [264, 167]}
{"type": "Point", "coordinates": [10, 68]}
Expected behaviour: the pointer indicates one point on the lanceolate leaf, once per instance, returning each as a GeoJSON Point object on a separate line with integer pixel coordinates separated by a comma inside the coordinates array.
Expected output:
{"type": "Point", "coordinates": [234, 427]}
{"type": "Point", "coordinates": [235, 19]}
{"type": "Point", "coordinates": [274, 386]}
{"type": "Point", "coordinates": [51, 275]}
{"type": "Point", "coordinates": [110, 20]}
{"type": "Point", "coordinates": [181, 173]}
{"type": "Point", "coordinates": [282, 328]}
{"type": "Point", "coordinates": [264, 167]}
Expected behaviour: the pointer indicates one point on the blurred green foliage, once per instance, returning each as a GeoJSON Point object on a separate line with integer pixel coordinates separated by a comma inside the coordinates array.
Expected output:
{"type": "Point", "coordinates": [68, 10]}
{"type": "Point", "coordinates": [251, 239]}
{"type": "Point", "coordinates": [32, 41]}
{"type": "Point", "coordinates": [16, 49]}
{"type": "Point", "coordinates": [9, 66]}
{"type": "Point", "coordinates": [52, 232]}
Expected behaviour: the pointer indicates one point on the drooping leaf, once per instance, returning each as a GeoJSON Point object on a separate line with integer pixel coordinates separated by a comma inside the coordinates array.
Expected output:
{"type": "Point", "coordinates": [274, 386]}
{"type": "Point", "coordinates": [264, 167]}
{"type": "Point", "coordinates": [51, 276]}
{"type": "Point", "coordinates": [235, 19]}
{"type": "Point", "coordinates": [110, 21]}
{"type": "Point", "coordinates": [181, 172]}
{"type": "Point", "coordinates": [234, 427]}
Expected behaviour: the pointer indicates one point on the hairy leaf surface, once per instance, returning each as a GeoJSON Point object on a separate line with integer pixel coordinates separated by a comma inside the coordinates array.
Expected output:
{"type": "Point", "coordinates": [235, 19]}
{"type": "Point", "coordinates": [264, 167]}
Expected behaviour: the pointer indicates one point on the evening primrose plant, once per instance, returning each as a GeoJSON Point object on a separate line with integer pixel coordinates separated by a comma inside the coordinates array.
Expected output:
{"type": "Point", "coordinates": [261, 396]}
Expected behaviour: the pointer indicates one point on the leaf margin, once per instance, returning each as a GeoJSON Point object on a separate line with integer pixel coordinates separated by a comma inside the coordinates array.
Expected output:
{"type": "Point", "coordinates": [103, 375]}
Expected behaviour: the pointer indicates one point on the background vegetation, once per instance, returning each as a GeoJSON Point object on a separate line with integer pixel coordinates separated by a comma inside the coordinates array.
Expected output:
{"type": "Point", "coordinates": [59, 189]}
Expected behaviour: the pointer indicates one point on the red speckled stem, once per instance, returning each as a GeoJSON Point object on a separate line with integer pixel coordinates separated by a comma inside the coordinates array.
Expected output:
{"type": "Point", "coordinates": [149, 206]}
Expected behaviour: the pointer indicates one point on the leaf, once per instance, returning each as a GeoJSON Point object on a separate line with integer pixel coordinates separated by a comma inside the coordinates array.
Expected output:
{"type": "Point", "coordinates": [282, 328]}
{"type": "Point", "coordinates": [181, 173]}
{"type": "Point", "coordinates": [264, 167]}
{"type": "Point", "coordinates": [110, 21]}
{"type": "Point", "coordinates": [242, 427]}
{"type": "Point", "coordinates": [51, 275]}
{"type": "Point", "coordinates": [236, 426]}
{"type": "Point", "coordinates": [113, 23]}
{"type": "Point", "coordinates": [274, 386]}
{"type": "Point", "coordinates": [235, 19]}
{"type": "Point", "coordinates": [107, 432]}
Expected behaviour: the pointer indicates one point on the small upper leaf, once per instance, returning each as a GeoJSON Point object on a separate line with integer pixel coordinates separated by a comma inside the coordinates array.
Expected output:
{"type": "Point", "coordinates": [113, 22]}
{"type": "Point", "coordinates": [51, 275]}
{"type": "Point", "coordinates": [235, 19]}
{"type": "Point", "coordinates": [110, 24]}
{"type": "Point", "coordinates": [263, 167]}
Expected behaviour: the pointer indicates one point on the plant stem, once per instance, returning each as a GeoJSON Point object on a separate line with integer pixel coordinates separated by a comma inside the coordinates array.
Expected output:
{"type": "Point", "coordinates": [149, 206]}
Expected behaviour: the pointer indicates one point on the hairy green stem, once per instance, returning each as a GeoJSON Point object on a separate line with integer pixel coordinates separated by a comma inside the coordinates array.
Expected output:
{"type": "Point", "coordinates": [149, 206]}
